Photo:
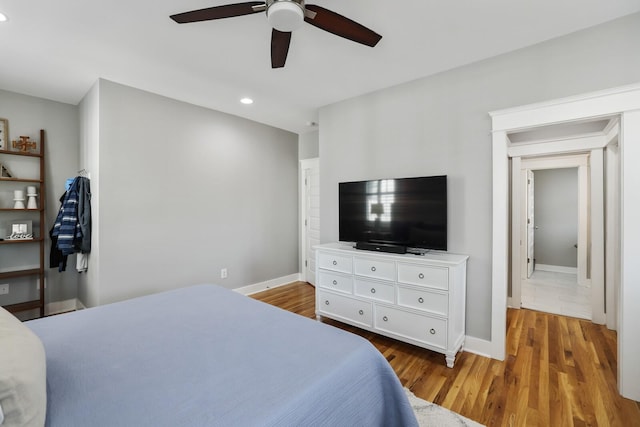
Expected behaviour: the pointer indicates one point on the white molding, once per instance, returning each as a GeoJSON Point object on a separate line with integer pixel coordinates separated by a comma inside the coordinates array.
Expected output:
{"type": "Point", "coordinates": [612, 233]}
{"type": "Point", "coordinates": [612, 130]}
{"type": "Point", "coordinates": [510, 304]}
{"type": "Point", "coordinates": [269, 284]}
{"type": "Point", "coordinates": [557, 268]}
{"type": "Point", "coordinates": [500, 245]}
{"type": "Point", "coordinates": [518, 240]}
{"type": "Point", "coordinates": [478, 346]}
{"type": "Point", "coordinates": [602, 103]}
{"type": "Point", "coordinates": [555, 162]}
{"type": "Point", "coordinates": [629, 300]}
{"type": "Point", "coordinates": [559, 146]}
{"type": "Point", "coordinates": [596, 236]}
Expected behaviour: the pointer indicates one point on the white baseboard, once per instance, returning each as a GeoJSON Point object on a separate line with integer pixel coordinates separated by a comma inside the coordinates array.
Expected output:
{"type": "Point", "coordinates": [478, 346]}
{"type": "Point", "coordinates": [557, 268]}
{"type": "Point", "coordinates": [511, 304]}
{"type": "Point", "coordinates": [57, 307]}
{"type": "Point", "coordinates": [269, 284]}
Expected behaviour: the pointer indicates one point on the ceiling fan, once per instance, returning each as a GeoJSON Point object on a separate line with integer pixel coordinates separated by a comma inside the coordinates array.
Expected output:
{"type": "Point", "coordinates": [285, 16]}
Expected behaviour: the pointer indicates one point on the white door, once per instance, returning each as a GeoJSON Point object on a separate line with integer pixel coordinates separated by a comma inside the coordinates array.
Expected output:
{"type": "Point", "coordinates": [530, 223]}
{"type": "Point", "coordinates": [310, 214]}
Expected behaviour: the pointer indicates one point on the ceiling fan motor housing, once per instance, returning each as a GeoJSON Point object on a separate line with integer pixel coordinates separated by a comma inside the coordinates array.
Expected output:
{"type": "Point", "coordinates": [285, 15]}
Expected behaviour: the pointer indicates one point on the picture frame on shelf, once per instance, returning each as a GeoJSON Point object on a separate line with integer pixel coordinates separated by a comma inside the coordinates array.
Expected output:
{"type": "Point", "coordinates": [4, 134]}
{"type": "Point", "coordinates": [21, 230]}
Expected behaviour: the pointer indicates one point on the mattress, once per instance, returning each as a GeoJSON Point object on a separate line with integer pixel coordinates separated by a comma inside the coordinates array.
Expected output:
{"type": "Point", "coordinates": [208, 356]}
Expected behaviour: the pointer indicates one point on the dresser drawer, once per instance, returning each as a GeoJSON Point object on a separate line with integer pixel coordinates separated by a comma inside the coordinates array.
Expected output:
{"type": "Point", "coordinates": [342, 307]}
{"type": "Point", "coordinates": [335, 281]}
{"type": "Point", "coordinates": [375, 290]}
{"type": "Point", "coordinates": [425, 329]}
{"type": "Point", "coordinates": [377, 269]}
{"type": "Point", "coordinates": [335, 262]}
{"type": "Point", "coordinates": [431, 301]}
{"type": "Point", "coordinates": [415, 274]}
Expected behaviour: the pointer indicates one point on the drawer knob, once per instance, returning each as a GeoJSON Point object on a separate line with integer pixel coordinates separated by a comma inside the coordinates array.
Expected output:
{"type": "Point", "coordinates": [326, 302]}
{"type": "Point", "coordinates": [385, 318]}
{"type": "Point", "coordinates": [335, 282]}
{"type": "Point", "coordinates": [361, 312]}
{"type": "Point", "coordinates": [373, 269]}
{"type": "Point", "coordinates": [432, 331]}
{"type": "Point", "coordinates": [420, 276]}
{"type": "Point", "coordinates": [373, 290]}
{"type": "Point", "coordinates": [335, 262]}
{"type": "Point", "coordinates": [420, 300]}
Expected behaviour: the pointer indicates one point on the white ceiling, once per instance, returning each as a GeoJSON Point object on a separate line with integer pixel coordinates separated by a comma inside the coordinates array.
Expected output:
{"type": "Point", "coordinates": [58, 49]}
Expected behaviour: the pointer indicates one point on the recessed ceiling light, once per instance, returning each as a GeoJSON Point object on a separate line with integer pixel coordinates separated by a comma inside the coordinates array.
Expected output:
{"type": "Point", "coordinates": [3, 17]}
{"type": "Point", "coordinates": [247, 101]}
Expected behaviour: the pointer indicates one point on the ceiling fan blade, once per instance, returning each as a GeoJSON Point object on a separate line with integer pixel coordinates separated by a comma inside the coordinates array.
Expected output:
{"type": "Point", "coordinates": [279, 47]}
{"type": "Point", "coordinates": [340, 25]}
{"type": "Point", "coordinates": [219, 12]}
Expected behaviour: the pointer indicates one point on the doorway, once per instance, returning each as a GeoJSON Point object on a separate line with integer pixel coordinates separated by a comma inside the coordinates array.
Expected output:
{"type": "Point", "coordinates": [620, 104]}
{"type": "Point", "coordinates": [552, 227]}
{"type": "Point", "coordinates": [310, 217]}
{"type": "Point", "coordinates": [589, 240]}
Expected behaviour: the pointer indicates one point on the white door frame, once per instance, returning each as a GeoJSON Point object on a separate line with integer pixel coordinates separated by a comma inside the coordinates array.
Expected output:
{"type": "Point", "coordinates": [305, 164]}
{"type": "Point", "coordinates": [625, 103]}
{"type": "Point", "coordinates": [520, 168]}
{"type": "Point", "coordinates": [529, 210]}
{"type": "Point", "coordinates": [612, 229]}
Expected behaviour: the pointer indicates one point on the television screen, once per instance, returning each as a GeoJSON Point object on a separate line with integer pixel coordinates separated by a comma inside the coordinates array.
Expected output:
{"type": "Point", "coordinates": [410, 212]}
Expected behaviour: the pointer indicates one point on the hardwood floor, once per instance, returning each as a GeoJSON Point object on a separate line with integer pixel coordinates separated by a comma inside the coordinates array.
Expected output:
{"type": "Point", "coordinates": [559, 371]}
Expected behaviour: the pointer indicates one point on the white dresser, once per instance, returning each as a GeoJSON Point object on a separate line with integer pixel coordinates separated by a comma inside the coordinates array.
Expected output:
{"type": "Point", "coordinates": [419, 299]}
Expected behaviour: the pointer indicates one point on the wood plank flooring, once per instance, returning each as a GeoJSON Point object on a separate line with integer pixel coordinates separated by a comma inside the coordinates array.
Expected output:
{"type": "Point", "coordinates": [559, 371]}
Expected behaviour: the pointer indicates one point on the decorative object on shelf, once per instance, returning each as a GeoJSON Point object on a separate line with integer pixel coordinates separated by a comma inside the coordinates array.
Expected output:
{"type": "Point", "coordinates": [18, 197]}
{"type": "Point", "coordinates": [21, 231]}
{"type": "Point", "coordinates": [31, 194]}
{"type": "Point", "coordinates": [4, 134]}
{"type": "Point", "coordinates": [5, 172]}
{"type": "Point", "coordinates": [24, 145]}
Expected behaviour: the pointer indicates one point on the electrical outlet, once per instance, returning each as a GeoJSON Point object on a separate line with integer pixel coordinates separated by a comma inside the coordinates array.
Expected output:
{"type": "Point", "coordinates": [4, 289]}
{"type": "Point", "coordinates": [223, 273]}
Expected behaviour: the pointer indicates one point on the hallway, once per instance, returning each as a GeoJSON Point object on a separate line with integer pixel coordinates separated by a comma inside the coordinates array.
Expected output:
{"type": "Point", "coordinates": [556, 293]}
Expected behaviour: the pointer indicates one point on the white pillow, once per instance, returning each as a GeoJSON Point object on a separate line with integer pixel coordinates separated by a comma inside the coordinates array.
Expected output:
{"type": "Point", "coordinates": [23, 378]}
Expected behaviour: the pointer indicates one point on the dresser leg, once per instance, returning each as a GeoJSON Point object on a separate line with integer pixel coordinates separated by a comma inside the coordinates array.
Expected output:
{"type": "Point", "coordinates": [450, 358]}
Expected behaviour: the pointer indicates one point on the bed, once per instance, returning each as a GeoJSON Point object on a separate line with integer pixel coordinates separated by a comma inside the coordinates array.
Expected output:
{"type": "Point", "coordinates": [204, 356]}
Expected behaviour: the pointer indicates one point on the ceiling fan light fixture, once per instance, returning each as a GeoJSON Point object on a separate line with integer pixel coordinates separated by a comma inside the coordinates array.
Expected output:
{"type": "Point", "coordinates": [285, 15]}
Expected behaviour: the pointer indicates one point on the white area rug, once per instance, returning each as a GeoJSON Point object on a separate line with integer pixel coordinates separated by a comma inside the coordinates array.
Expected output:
{"type": "Point", "coordinates": [431, 415]}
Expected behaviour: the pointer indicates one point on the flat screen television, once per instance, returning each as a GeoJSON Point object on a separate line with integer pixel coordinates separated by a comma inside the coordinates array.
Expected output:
{"type": "Point", "coordinates": [404, 212]}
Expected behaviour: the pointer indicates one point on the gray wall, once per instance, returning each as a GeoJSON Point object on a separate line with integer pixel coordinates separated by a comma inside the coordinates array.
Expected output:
{"type": "Point", "coordinates": [89, 112]}
{"type": "Point", "coordinates": [440, 125]}
{"type": "Point", "coordinates": [27, 115]}
{"type": "Point", "coordinates": [308, 145]}
{"type": "Point", "coordinates": [556, 217]}
{"type": "Point", "coordinates": [185, 191]}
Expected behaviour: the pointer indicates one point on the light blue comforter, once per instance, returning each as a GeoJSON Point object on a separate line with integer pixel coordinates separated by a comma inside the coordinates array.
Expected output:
{"type": "Point", "coordinates": [207, 356]}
